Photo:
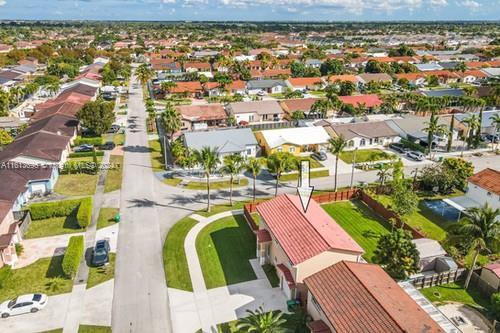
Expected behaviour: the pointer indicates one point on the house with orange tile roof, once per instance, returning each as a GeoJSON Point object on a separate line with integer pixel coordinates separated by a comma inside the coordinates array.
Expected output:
{"type": "Point", "coordinates": [188, 88]}
{"type": "Point", "coordinates": [472, 75]}
{"type": "Point", "coordinates": [305, 83]}
{"type": "Point", "coordinates": [197, 67]}
{"type": "Point", "coordinates": [344, 77]}
{"type": "Point", "coordinates": [350, 297]}
{"type": "Point", "coordinates": [201, 117]}
{"type": "Point", "coordinates": [300, 244]}
{"type": "Point", "coordinates": [370, 101]}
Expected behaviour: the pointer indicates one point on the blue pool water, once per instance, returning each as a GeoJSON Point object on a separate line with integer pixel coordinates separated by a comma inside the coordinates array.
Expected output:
{"type": "Point", "coordinates": [439, 207]}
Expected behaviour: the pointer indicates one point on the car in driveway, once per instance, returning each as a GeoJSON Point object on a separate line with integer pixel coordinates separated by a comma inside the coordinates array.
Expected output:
{"type": "Point", "coordinates": [114, 128]}
{"type": "Point", "coordinates": [319, 156]}
{"type": "Point", "coordinates": [100, 255]}
{"type": "Point", "coordinates": [83, 148]}
{"type": "Point", "coordinates": [399, 147]}
{"type": "Point", "coordinates": [415, 155]}
{"type": "Point", "coordinates": [29, 303]}
{"type": "Point", "coordinates": [109, 145]}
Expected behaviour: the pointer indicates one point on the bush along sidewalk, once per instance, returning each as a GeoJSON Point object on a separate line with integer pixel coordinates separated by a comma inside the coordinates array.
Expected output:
{"type": "Point", "coordinates": [73, 256]}
{"type": "Point", "coordinates": [46, 210]}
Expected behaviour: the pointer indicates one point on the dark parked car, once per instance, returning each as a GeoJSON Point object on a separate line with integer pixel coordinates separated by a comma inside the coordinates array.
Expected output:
{"type": "Point", "coordinates": [399, 147]}
{"type": "Point", "coordinates": [109, 145]}
{"type": "Point", "coordinates": [319, 156]}
{"type": "Point", "coordinates": [490, 138]}
{"type": "Point", "coordinates": [83, 148]}
{"type": "Point", "coordinates": [114, 128]}
{"type": "Point", "coordinates": [101, 253]}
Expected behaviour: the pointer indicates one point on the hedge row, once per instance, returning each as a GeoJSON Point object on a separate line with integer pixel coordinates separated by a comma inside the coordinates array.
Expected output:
{"type": "Point", "coordinates": [84, 214]}
{"type": "Point", "coordinates": [87, 154]}
{"type": "Point", "coordinates": [89, 168]}
{"type": "Point", "coordinates": [95, 141]}
{"type": "Point", "coordinates": [73, 256]}
{"type": "Point", "coordinates": [412, 145]}
{"type": "Point", "coordinates": [46, 210]}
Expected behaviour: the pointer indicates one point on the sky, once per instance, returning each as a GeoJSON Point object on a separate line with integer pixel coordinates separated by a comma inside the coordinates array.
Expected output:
{"type": "Point", "coordinates": [251, 10]}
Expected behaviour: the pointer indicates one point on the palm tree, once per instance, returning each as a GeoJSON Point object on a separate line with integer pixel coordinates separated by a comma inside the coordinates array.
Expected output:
{"type": "Point", "coordinates": [297, 116]}
{"type": "Point", "coordinates": [171, 120]}
{"type": "Point", "coordinates": [144, 73]}
{"type": "Point", "coordinates": [383, 172]}
{"type": "Point", "coordinates": [166, 86]}
{"type": "Point", "coordinates": [53, 88]}
{"type": "Point", "coordinates": [262, 322]}
{"type": "Point", "coordinates": [232, 166]}
{"type": "Point", "coordinates": [253, 166]}
{"type": "Point", "coordinates": [481, 227]}
{"type": "Point", "coordinates": [337, 146]}
{"type": "Point", "coordinates": [209, 160]}
{"type": "Point", "coordinates": [434, 128]}
{"type": "Point", "coordinates": [321, 107]}
{"type": "Point", "coordinates": [495, 119]}
{"type": "Point", "coordinates": [472, 125]}
{"type": "Point", "coordinates": [278, 163]}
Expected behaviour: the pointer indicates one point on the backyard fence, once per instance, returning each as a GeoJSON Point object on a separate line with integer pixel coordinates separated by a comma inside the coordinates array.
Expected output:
{"type": "Point", "coordinates": [438, 279]}
{"type": "Point", "coordinates": [248, 209]}
{"type": "Point", "coordinates": [24, 218]}
{"type": "Point", "coordinates": [335, 196]}
{"type": "Point", "coordinates": [270, 125]}
{"type": "Point", "coordinates": [484, 288]}
{"type": "Point", "coordinates": [388, 214]}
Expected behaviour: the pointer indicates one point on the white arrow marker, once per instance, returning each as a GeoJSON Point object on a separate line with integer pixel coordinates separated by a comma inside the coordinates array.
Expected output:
{"type": "Point", "coordinates": [305, 189]}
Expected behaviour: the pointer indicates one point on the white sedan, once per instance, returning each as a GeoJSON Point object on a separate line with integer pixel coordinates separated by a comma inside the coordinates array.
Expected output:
{"type": "Point", "coordinates": [23, 304]}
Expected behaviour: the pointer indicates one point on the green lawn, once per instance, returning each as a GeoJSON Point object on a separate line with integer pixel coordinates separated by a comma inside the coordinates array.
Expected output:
{"type": "Point", "coordinates": [103, 273]}
{"type": "Point", "coordinates": [157, 162]}
{"type": "Point", "coordinates": [273, 278]}
{"type": "Point", "coordinates": [216, 185]}
{"type": "Point", "coordinates": [424, 220]}
{"type": "Point", "coordinates": [113, 180]}
{"type": "Point", "coordinates": [359, 221]}
{"type": "Point", "coordinates": [53, 226]}
{"type": "Point", "coordinates": [76, 185]}
{"type": "Point", "coordinates": [84, 159]}
{"type": "Point", "coordinates": [106, 216]}
{"type": "Point", "coordinates": [119, 139]}
{"type": "Point", "coordinates": [94, 329]}
{"type": "Point", "coordinates": [295, 176]}
{"type": "Point", "coordinates": [174, 256]}
{"type": "Point", "coordinates": [313, 164]}
{"type": "Point", "coordinates": [172, 181]}
{"type": "Point", "coordinates": [364, 155]}
{"type": "Point", "coordinates": [43, 276]}
{"type": "Point", "coordinates": [225, 248]}
{"type": "Point", "coordinates": [216, 209]}
{"type": "Point", "coordinates": [454, 292]}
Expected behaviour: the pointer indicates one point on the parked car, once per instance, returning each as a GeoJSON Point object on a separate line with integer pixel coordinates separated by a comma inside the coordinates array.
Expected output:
{"type": "Point", "coordinates": [490, 138]}
{"type": "Point", "coordinates": [399, 147]}
{"type": "Point", "coordinates": [415, 155]}
{"type": "Point", "coordinates": [23, 304]}
{"type": "Point", "coordinates": [261, 93]}
{"type": "Point", "coordinates": [114, 128]}
{"type": "Point", "coordinates": [109, 145]}
{"type": "Point", "coordinates": [83, 148]}
{"type": "Point", "coordinates": [319, 156]}
{"type": "Point", "coordinates": [100, 254]}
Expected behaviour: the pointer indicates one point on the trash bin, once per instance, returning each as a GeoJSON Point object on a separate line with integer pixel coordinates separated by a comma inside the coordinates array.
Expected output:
{"type": "Point", "coordinates": [117, 218]}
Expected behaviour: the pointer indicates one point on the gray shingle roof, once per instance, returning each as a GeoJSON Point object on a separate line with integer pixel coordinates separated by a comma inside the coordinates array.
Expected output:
{"type": "Point", "coordinates": [225, 141]}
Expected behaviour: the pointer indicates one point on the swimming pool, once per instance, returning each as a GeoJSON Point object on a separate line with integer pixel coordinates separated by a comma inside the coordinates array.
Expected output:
{"type": "Point", "coordinates": [441, 208]}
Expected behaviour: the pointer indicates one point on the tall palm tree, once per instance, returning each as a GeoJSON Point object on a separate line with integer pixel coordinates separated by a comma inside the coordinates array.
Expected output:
{"type": "Point", "coordinates": [383, 170]}
{"type": "Point", "coordinates": [278, 163]}
{"type": "Point", "coordinates": [434, 128]}
{"type": "Point", "coordinates": [53, 88]}
{"type": "Point", "coordinates": [209, 160]}
{"type": "Point", "coordinates": [336, 147]}
{"type": "Point", "coordinates": [144, 73]}
{"type": "Point", "coordinates": [232, 166]}
{"type": "Point", "coordinates": [472, 125]}
{"type": "Point", "coordinates": [166, 86]}
{"type": "Point", "coordinates": [262, 322]}
{"type": "Point", "coordinates": [321, 107]}
{"type": "Point", "coordinates": [171, 120]}
{"type": "Point", "coordinates": [495, 119]}
{"type": "Point", "coordinates": [481, 227]}
{"type": "Point", "coordinates": [254, 166]}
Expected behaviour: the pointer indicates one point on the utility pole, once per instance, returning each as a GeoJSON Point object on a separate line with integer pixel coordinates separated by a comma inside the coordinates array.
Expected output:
{"type": "Point", "coordinates": [353, 166]}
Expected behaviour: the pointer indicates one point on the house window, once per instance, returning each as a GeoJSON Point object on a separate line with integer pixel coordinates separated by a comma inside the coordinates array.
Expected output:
{"type": "Point", "coordinates": [371, 141]}
{"type": "Point", "coordinates": [249, 151]}
{"type": "Point", "coordinates": [362, 142]}
{"type": "Point", "coordinates": [291, 150]}
{"type": "Point", "coordinates": [279, 149]}
{"type": "Point", "coordinates": [351, 143]}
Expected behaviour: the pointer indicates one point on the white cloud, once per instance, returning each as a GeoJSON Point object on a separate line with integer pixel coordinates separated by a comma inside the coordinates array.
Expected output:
{"type": "Point", "coordinates": [471, 4]}
{"type": "Point", "coordinates": [438, 3]}
{"type": "Point", "coordinates": [167, 1]}
{"type": "Point", "coordinates": [2, 2]}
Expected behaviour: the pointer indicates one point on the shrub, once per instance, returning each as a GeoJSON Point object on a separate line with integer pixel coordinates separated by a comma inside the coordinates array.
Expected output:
{"type": "Point", "coordinates": [73, 256]}
{"type": "Point", "coordinates": [495, 304]}
{"type": "Point", "coordinates": [79, 167]}
{"type": "Point", "coordinates": [5, 274]}
{"type": "Point", "coordinates": [96, 141]}
{"type": "Point", "coordinates": [84, 214]}
{"type": "Point", "coordinates": [19, 249]}
{"type": "Point", "coordinates": [45, 210]}
{"type": "Point", "coordinates": [87, 154]}
{"type": "Point", "coordinates": [412, 145]}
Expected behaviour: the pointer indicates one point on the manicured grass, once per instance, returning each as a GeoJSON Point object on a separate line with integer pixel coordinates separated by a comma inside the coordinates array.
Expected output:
{"type": "Point", "coordinates": [53, 226]}
{"type": "Point", "coordinates": [85, 159]}
{"type": "Point", "coordinates": [43, 276]}
{"type": "Point", "coordinates": [157, 162]}
{"type": "Point", "coordinates": [172, 181]}
{"type": "Point", "coordinates": [119, 139]}
{"type": "Point", "coordinates": [364, 155]}
{"type": "Point", "coordinates": [94, 329]}
{"type": "Point", "coordinates": [313, 174]}
{"type": "Point", "coordinates": [270, 271]}
{"type": "Point", "coordinates": [424, 220]}
{"type": "Point", "coordinates": [106, 217]}
{"type": "Point", "coordinates": [113, 180]}
{"type": "Point", "coordinates": [313, 164]}
{"type": "Point", "coordinates": [174, 256]}
{"type": "Point", "coordinates": [360, 222]}
{"type": "Point", "coordinates": [319, 93]}
{"type": "Point", "coordinates": [255, 218]}
{"type": "Point", "coordinates": [216, 209]}
{"type": "Point", "coordinates": [103, 273]}
{"type": "Point", "coordinates": [76, 185]}
{"type": "Point", "coordinates": [216, 185]}
{"type": "Point", "coordinates": [225, 248]}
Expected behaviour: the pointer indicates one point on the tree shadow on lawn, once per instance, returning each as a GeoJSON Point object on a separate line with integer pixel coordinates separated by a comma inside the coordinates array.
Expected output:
{"type": "Point", "coordinates": [55, 268]}
{"type": "Point", "coordinates": [235, 246]}
{"type": "Point", "coordinates": [71, 222]}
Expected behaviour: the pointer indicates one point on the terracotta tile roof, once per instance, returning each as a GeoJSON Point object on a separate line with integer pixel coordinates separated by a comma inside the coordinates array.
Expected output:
{"type": "Point", "coordinates": [63, 108]}
{"type": "Point", "coordinates": [488, 179]}
{"type": "Point", "coordinates": [477, 64]}
{"type": "Point", "coordinates": [287, 274]}
{"type": "Point", "coordinates": [202, 112]}
{"type": "Point", "coordinates": [370, 100]}
{"type": "Point", "coordinates": [191, 86]}
{"type": "Point", "coordinates": [298, 104]}
{"type": "Point", "coordinates": [442, 73]}
{"type": "Point", "coordinates": [318, 326]}
{"type": "Point", "coordinates": [473, 72]}
{"type": "Point", "coordinates": [263, 236]}
{"type": "Point", "coordinates": [357, 297]}
{"type": "Point", "coordinates": [304, 235]}
{"type": "Point", "coordinates": [305, 81]}
{"type": "Point", "coordinates": [344, 77]}
{"type": "Point", "coordinates": [409, 76]}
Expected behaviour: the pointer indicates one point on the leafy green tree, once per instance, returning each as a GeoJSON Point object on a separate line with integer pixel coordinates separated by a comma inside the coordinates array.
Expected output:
{"type": "Point", "coordinates": [432, 81]}
{"type": "Point", "coordinates": [98, 116]}
{"type": "Point", "coordinates": [346, 88]}
{"type": "Point", "coordinates": [144, 73]}
{"type": "Point", "coordinates": [171, 120]}
{"type": "Point", "coordinates": [208, 159]}
{"type": "Point", "coordinates": [331, 66]}
{"type": "Point", "coordinates": [473, 125]}
{"type": "Point", "coordinates": [321, 107]}
{"type": "Point", "coordinates": [383, 170]}
{"type": "Point", "coordinates": [278, 163]}
{"type": "Point", "coordinates": [397, 254]}
{"type": "Point", "coordinates": [5, 138]}
{"type": "Point", "coordinates": [495, 304]}
{"type": "Point", "coordinates": [254, 166]}
{"type": "Point", "coordinates": [232, 166]}
{"type": "Point", "coordinates": [336, 147]}
{"type": "Point", "coordinates": [481, 230]}
{"type": "Point", "coordinates": [495, 119]}
{"type": "Point", "coordinates": [262, 322]}
{"type": "Point", "coordinates": [459, 169]}
{"type": "Point", "coordinates": [166, 86]}
{"type": "Point", "coordinates": [404, 199]}
{"type": "Point", "coordinates": [402, 51]}
{"type": "Point", "coordinates": [297, 116]}
{"type": "Point", "coordinates": [4, 103]}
